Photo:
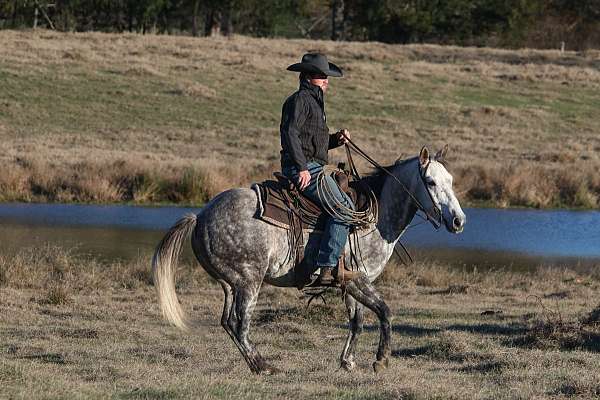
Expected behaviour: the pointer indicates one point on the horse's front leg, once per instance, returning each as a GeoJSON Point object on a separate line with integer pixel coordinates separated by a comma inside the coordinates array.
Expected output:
{"type": "Point", "coordinates": [365, 293]}
{"type": "Point", "coordinates": [355, 325]}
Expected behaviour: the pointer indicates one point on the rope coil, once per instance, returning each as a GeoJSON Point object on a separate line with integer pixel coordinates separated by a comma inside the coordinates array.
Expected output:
{"type": "Point", "coordinates": [338, 209]}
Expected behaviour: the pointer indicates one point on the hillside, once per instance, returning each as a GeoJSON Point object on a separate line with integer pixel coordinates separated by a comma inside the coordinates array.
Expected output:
{"type": "Point", "coordinates": [108, 118]}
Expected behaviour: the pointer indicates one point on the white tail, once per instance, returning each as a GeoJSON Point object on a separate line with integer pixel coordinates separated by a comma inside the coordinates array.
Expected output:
{"type": "Point", "coordinates": [164, 264]}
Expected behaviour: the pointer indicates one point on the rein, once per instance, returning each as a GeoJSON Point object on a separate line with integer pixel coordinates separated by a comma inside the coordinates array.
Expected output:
{"type": "Point", "coordinates": [350, 145]}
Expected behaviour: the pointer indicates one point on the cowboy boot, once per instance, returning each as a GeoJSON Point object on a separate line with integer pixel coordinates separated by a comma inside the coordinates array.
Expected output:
{"type": "Point", "coordinates": [326, 276]}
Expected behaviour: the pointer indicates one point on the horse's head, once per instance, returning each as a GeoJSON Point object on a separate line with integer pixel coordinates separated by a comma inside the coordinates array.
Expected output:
{"type": "Point", "coordinates": [436, 194]}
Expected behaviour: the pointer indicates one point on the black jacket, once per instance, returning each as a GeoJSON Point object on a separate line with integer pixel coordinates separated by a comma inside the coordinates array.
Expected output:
{"type": "Point", "coordinates": [304, 132]}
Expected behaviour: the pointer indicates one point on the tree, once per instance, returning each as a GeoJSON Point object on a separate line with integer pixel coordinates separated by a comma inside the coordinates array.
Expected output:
{"type": "Point", "coordinates": [195, 10]}
{"type": "Point", "coordinates": [338, 20]}
{"type": "Point", "coordinates": [513, 23]}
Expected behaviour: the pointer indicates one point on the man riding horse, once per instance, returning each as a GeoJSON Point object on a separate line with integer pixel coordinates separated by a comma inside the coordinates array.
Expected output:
{"type": "Point", "coordinates": [305, 141]}
{"type": "Point", "coordinates": [242, 252]}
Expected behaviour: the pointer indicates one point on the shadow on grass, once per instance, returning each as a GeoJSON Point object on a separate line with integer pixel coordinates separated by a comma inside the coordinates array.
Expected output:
{"type": "Point", "coordinates": [316, 314]}
{"type": "Point", "coordinates": [275, 315]}
{"type": "Point", "coordinates": [438, 350]}
{"type": "Point", "coordinates": [489, 329]}
{"type": "Point", "coordinates": [411, 352]}
{"type": "Point", "coordinates": [149, 394]}
{"type": "Point", "coordinates": [570, 389]}
{"type": "Point", "coordinates": [78, 333]}
{"type": "Point", "coordinates": [484, 367]}
{"type": "Point", "coordinates": [484, 329]}
{"type": "Point", "coordinates": [564, 339]}
{"type": "Point", "coordinates": [452, 289]}
{"type": "Point", "coordinates": [403, 329]}
{"type": "Point", "coordinates": [49, 358]}
{"type": "Point", "coordinates": [591, 342]}
{"type": "Point", "coordinates": [413, 330]}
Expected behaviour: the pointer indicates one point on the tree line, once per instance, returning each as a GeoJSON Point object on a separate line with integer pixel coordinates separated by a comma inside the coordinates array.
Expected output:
{"type": "Point", "coordinates": [574, 24]}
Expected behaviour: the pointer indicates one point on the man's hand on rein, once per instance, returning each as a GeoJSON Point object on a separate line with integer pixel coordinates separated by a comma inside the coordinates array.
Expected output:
{"type": "Point", "coordinates": [343, 136]}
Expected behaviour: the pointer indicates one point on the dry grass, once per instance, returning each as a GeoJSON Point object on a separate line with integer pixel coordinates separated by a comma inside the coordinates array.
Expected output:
{"type": "Point", "coordinates": [120, 181]}
{"type": "Point", "coordinates": [530, 186]}
{"type": "Point", "coordinates": [83, 115]}
{"type": "Point", "coordinates": [100, 336]}
{"type": "Point", "coordinates": [60, 273]}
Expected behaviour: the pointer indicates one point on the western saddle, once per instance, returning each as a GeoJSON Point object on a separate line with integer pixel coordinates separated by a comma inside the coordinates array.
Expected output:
{"type": "Point", "coordinates": [283, 205]}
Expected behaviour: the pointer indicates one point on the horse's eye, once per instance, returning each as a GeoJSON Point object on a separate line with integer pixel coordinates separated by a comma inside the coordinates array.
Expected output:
{"type": "Point", "coordinates": [431, 183]}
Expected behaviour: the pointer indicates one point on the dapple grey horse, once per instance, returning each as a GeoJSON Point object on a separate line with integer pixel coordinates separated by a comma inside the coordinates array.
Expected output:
{"type": "Point", "coordinates": [241, 252]}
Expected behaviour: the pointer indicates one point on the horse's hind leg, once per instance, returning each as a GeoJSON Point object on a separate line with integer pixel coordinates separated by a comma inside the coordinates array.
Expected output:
{"type": "Point", "coordinates": [355, 321]}
{"type": "Point", "coordinates": [364, 292]}
{"type": "Point", "coordinates": [228, 322]}
{"type": "Point", "coordinates": [237, 312]}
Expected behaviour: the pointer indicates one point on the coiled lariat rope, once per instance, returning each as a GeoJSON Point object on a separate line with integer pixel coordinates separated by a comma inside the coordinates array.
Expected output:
{"type": "Point", "coordinates": [338, 209]}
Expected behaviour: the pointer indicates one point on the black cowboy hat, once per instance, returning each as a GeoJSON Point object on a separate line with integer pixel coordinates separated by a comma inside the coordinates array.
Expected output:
{"type": "Point", "coordinates": [314, 63]}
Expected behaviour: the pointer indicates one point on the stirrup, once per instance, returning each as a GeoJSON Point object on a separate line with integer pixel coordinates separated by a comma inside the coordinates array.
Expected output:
{"type": "Point", "coordinates": [335, 277]}
{"type": "Point", "coordinates": [344, 275]}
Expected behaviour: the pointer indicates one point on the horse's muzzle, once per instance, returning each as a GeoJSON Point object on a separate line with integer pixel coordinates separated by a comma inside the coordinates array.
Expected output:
{"type": "Point", "coordinates": [458, 224]}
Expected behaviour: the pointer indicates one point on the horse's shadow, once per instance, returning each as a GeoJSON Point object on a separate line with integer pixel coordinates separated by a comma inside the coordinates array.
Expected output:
{"type": "Point", "coordinates": [483, 329]}
{"type": "Point", "coordinates": [403, 329]}
{"type": "Point", "coordinates": [513, 330]}
{"type": "Point", "coordinates": [489, 329]}
{"type": "Point", "coordinates": [516, 335]}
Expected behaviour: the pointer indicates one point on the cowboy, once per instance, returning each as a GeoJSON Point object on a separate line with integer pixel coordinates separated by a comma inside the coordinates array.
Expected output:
{"type": "Point", "coordinates": [305, 141]}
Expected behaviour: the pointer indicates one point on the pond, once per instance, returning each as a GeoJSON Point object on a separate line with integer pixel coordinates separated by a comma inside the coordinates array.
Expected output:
{"type": "Point", "coordinates": [492, 237]}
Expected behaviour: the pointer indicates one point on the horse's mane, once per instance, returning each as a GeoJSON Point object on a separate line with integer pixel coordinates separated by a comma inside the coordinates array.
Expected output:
{"type": "Point", "coordinates": [376, 178]}
{"type": "Point", "coordinates": [444, 163]}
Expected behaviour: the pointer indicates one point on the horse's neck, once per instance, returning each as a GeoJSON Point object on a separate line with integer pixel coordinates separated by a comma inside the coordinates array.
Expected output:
{"type": "Point", "coordinates": [396, 209]}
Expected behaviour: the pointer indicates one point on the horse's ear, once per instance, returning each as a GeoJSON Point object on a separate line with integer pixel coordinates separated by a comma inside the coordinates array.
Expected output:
{"type": "Point", "coordinates": [424, 156]}
{"type": "Point", "coordinates": [441, 155]}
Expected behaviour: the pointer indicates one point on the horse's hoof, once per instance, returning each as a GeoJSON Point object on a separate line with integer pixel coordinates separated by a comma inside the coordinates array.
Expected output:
{"type": "Point", "coordinates": [268, 370]}
{"type": "Point", "coordinates": [261, 367]}
{"type": "Point", "coordinates": [348, 365]}
{"type": "Point", "coordinates": [380, 365]}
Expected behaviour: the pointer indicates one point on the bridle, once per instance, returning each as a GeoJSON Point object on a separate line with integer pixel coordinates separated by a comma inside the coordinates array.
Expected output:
{"type": "Point", "coordinates": [435, 219]}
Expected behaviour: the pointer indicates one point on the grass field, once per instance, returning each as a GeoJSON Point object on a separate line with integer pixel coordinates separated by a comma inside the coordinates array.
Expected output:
{"type": "Point", "coordinates": [156, 119]}
{"type": "Point", "coordinates": [73, 328]}
{"type": "Point", "coordinates": [148, 119]}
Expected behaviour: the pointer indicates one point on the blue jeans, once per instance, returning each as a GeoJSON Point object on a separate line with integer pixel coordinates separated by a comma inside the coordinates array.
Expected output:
{"type": "Point", "coordinates": [336, 231]}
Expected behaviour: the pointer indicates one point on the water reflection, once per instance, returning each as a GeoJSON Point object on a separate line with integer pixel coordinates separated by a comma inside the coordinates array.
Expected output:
{"type": "Point", "coordinates": [103, 243]}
